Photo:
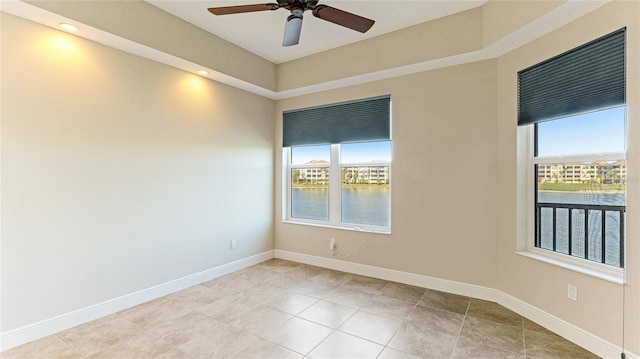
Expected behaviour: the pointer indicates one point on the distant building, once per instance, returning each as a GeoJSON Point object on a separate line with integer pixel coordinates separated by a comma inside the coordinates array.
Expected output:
{"type": "Point", "coordinates": [314, 175]}
{"type": "Point", "coordinates": [350, 175]}
{"type": "Point", "coordinates": [597, 172]}
{"type": "Point", "coordinates": [366, 175]}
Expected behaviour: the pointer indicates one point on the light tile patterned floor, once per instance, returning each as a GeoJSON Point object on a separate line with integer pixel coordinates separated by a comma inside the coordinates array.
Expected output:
{"type": "Point", "coordinates": [281, 309]}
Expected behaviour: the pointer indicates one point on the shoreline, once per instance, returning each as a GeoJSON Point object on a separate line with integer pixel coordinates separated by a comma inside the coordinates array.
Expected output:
{"type": "Point", "coordinates": [385, 186]}
{"type": "Point", "coordinates": [582, 191]}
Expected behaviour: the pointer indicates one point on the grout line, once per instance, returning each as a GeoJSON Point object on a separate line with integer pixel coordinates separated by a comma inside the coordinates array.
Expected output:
{"type": "Point", "coordinates": [67, 345]}
{"type": "Point", "coordinates": [524, 339]}
{"type": "Point", "coordinates": [322, 341]}
{"type": "Point", "coordinates": [461, 327]}
{"type": "Point", "coordinates": [406, 319]}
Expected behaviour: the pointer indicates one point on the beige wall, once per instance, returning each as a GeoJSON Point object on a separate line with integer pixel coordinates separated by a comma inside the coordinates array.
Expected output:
{"type": "Point", "coordinates": [141, 22]}
{"type": "Point", "coordinates": [119, 173]}
{"type": "Point", "coordinates": [599, 308]}
{"type": "Point", "coordinates": [500, 18]}
{"type": "Point", "coordinates": [444, 133]}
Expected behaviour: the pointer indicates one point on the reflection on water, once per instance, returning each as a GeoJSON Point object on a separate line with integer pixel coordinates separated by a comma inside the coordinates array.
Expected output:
{"type": "Point", "coordinates": [366, 205]}
{"type": "Point", "coordinates": [601, 198]}
{"type": "Point", "coordinates": [360, 204]}
{"type": "Point", "coordinates": [310, 203]}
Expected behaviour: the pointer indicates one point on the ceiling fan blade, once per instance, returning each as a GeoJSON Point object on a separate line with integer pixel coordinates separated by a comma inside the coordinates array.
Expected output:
{"type": "Point", "coordinates": [292, 30]}
{"type": "Point", "coordinates": [343, 18]}
{"type": "Point", "coordinates": [226, 10]}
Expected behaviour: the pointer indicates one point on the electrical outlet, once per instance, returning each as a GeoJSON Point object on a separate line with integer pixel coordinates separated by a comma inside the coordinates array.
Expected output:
{"type": "Point", "coordinates": [332, 244]}
{"type": "Point", "coordinates": [572, 292]}
{"type": "Point", "coordinates": [232, 244]}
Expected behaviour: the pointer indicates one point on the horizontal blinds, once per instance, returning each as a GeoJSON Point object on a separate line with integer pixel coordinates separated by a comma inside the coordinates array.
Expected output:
{"type": "Point", "coordinates": [356, 121]}
{"type": "Point", "coordinates": [587, 78]}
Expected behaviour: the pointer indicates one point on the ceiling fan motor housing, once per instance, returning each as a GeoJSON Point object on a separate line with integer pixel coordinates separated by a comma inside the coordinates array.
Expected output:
{"type": "Point", "coordinates": [298, 4]}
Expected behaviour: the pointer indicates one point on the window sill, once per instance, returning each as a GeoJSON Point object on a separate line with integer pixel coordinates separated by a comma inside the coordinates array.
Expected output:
{"type": "Point", "coordinates": [600, 271]}
{"type": "Point", "coordinates": [353, 228]}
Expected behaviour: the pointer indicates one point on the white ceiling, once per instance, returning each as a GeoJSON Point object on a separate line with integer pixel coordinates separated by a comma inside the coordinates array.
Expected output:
{"type": "Point", "coordinates": [261, 32]}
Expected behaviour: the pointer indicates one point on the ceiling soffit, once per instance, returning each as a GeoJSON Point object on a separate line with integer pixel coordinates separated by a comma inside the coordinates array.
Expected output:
{"type": "Point", "coordinates": [423, 47]}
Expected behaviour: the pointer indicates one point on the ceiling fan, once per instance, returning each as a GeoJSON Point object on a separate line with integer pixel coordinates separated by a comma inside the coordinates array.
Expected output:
{"type": "Point", "coordinates": [294, 21]}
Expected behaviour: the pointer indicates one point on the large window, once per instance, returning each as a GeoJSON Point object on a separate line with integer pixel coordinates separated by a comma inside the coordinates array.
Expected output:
{"type": "Point", "coordinates": [574, 106]}
{"type": "Point", "coordinates": [339, 172]}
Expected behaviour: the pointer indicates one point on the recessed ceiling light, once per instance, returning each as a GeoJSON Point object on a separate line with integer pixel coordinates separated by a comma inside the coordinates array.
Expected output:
{"type": "Point", "coordinates": [203, 72]}
{"type": "Point", "coordinates": [68, 27]}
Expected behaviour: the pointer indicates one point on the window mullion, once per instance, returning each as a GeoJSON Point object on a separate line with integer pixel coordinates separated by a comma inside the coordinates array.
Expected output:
{"type": "Point", "coordinates": [287, 187]}
{"type": "Point", "coordinates": [335, 171]}
{"type": "Point", "coordinates": [532, 197]}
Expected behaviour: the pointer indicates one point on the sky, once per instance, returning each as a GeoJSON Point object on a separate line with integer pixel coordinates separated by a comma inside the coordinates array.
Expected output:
{"type": "Point", "coordinates": [594, 132]}
{"type": "Point", "coordinates": [363, 152]}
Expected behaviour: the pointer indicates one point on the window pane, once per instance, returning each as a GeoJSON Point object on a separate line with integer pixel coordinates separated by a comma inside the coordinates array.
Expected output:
{"type": "Point", "coordinates": [310, 193]}
{"type": "Point", "coordinates": [310, 154]}
{"type": "Point", "coordinates": [365, 195]}
{"type": "Point", "coordinates": [591, 133]}
{"type": "Point", "coordinates": [586, 197]}
{"type": "Point", "coordinates": [365, 152]}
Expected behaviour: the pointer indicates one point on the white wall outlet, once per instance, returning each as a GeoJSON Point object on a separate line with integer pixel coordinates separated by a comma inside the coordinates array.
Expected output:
{"type": "Point", "coordinates": [572, 292]}
{"type": "Point", "coordinates": [232, 244]}
{"type": "Point", "coordinates": [332, 244]}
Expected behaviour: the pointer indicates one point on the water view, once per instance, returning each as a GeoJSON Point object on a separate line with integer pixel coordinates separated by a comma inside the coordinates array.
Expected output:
{"type": "Point", "coordinates": [361, 204]}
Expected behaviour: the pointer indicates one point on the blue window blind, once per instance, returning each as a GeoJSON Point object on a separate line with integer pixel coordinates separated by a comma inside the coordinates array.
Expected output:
{"type": "Point", "coordinates": [354, 121]}
{"type": "Point", "coordinates": [588, 78]}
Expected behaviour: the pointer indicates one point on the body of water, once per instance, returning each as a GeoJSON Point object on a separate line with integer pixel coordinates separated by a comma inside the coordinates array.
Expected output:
{"type": "Point", "coordinates": [360, 205]}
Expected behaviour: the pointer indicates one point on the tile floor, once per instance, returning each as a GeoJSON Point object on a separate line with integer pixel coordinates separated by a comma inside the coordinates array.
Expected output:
{"type": "Point", "coordinates": [281, 309]}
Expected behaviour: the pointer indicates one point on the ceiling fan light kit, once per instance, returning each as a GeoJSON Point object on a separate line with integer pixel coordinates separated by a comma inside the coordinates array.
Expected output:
{"type": "Point", "coordinates": [294, 21]}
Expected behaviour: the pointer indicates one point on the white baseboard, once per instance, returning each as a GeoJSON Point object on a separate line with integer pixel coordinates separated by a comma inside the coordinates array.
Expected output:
{"type": "Point", "coordinates": [31, 332]}
{"type": "Point", "coordinates": [563, 328]}
{"type": "Point", "coordinates": [391, 275]}
{"type": "Point", "coordinates": [581, 337]}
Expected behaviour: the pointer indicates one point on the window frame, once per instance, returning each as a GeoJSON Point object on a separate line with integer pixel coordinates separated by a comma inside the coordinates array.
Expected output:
{"type": "Point", "coordinates": [589, 77]}
{"type": "Point", "coordinates": [577, 264]}
{"type": "Point", "coordinates": [335, 191]}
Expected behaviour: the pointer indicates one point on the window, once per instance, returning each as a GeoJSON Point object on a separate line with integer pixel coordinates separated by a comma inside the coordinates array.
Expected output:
{"type": "Point", "coordinates": [580, 180]}
{"type": "Point", "coordinates": [339, 171]}
{"type": "Point", "coordinates": [574, 105]}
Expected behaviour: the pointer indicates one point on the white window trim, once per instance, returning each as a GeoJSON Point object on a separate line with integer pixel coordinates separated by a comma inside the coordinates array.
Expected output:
{"type": "Point", "coordinates": [584, 266]}
{"type": "Point", "coordinates": [335, 197]}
